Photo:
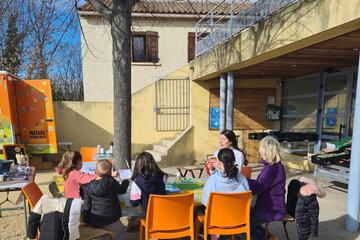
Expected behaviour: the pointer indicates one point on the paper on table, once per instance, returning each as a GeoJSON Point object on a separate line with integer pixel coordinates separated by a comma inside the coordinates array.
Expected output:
{"type": "Point", "coordinates": [125, 173]}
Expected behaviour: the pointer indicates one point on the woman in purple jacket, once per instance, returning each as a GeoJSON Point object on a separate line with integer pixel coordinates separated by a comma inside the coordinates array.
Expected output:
{"type": "Point", "coordinates": [269, 188]}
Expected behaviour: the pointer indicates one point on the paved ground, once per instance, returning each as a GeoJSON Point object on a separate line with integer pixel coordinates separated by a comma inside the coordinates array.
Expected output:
{"type": "Point", "coordinates": [332, 211]}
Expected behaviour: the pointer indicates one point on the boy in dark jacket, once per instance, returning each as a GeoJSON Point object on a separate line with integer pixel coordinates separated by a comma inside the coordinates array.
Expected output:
{"type": "Point", "coordinates": [101, 204]}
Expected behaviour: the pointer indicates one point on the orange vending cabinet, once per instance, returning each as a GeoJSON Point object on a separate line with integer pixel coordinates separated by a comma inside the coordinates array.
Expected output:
{"type": "Point", "coordinates": [9, 121]}
{"type": "Point", "coordinates": [36, 116]}
{"type": "Point", "coordinates": [26, 114]}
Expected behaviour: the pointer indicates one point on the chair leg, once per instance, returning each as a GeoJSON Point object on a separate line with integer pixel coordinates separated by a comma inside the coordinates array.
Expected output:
{"type": "Point", "coordinates": [266, 231]}
{"type": "Point", "coordinates": [200, 173]}
{"type": "Point", "coordinates": [141, 231]}
{"type": "Point", "coordinates": [197, 229]}
{"type": "Point", "coordinates": [286, 232]}
{"type": "Point", "coordinates": [248, 234]}
{"type": "Point", "coordinates": [192, 173]}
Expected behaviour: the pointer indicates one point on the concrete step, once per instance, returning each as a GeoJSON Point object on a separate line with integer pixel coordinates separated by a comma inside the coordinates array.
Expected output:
{"type": "Point", "coordinates": [160, 148]}
{"type": "Point", "coordinates": [158, 156]}
{"type": "Point", "coordinates": [167, 142]}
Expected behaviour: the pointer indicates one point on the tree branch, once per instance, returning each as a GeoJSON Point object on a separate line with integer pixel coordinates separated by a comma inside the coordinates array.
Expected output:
{"type": "Point", "coordinates": [100, 7]}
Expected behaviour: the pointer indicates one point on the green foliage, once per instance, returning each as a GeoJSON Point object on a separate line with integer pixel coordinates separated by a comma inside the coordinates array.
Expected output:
{"type": "Point", "coordinates": [13, 47]}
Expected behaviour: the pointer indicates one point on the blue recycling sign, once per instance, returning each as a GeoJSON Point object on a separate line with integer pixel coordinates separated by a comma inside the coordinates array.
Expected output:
{"type": "Point", "coordinates": [214, 118]}
{"type": "Point", "coordinates": [331, 121]}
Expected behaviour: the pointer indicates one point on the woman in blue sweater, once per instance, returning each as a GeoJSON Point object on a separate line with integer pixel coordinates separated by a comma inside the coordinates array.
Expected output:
{"type": "Point", "coordinates": [147, 179]}
{"type": "Point", "coordinates": [226, 176]}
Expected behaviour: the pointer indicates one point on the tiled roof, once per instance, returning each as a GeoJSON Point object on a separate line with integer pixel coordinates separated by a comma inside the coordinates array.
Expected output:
{"type": "Point", "coordinates": [171, 7]}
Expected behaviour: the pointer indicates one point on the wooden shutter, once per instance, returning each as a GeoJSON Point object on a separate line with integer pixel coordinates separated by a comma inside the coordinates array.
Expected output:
{"type": "Point", "coordinates": [152, 45]}
{"type": "Point", "coordinates": [191, 46]}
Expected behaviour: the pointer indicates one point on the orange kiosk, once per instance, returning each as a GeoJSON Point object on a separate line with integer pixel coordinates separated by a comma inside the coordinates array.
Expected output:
{"type": "Point", "coordinates": [26, 114]}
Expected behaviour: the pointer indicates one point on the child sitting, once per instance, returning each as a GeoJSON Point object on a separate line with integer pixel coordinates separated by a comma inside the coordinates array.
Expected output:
{"type": "Point", "coordinates": [73, 177]}
{"type": "Point", "coordinates": [147, 179]}
{"type": "Point", "coordinates": [303, 205]}
{"type": "Point", "coordinates": [101, 204]}
{"type": "Point", "coordinates": [69, 167]}
{"type": "Point", "coordinates": [226, 177]}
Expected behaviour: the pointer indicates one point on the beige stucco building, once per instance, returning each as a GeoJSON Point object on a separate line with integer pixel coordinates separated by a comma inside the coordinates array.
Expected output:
{"type": "Point", "coordinates": [283, 57]}
{"type": "Point", "coordinates": [169, 24]}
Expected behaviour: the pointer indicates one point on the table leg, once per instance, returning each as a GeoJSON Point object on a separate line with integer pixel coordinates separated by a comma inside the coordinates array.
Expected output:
{"type": "Point", "coordinates": [25, 215]}
{"type": "Point", "coordinates": [200, 173]}
{"type": "Point", "coordinates": [181, 174]}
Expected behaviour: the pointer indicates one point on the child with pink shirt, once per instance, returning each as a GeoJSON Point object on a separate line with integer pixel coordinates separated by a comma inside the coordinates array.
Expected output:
{"type": "Point", "coordinates": [69, 168]}
{"type": "Point", "coordinates": [73, 177]}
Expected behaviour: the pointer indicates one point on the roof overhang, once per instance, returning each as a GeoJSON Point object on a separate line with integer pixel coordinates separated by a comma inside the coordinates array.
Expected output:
{"type": "Point", "coordinates": [304, 38]}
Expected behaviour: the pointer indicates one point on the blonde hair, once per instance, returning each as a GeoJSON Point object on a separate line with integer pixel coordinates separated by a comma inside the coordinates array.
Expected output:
{"type": "Point", "coordinates": [103, 168]}
{"type": "Point", "coordinates": [269, 150]}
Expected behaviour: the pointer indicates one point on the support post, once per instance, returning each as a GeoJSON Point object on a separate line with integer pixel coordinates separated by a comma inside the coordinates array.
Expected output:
{"type": "Point", "coordinates": [230, 101]}
{"type": "Point", "coordinates": [222, 102]}
{"type": "Point", "coordinates": [319, 112]}
{"type": "Point", "coordinates": [353, 196]}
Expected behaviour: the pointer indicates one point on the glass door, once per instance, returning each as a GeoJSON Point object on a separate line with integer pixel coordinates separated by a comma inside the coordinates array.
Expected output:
{"type": "Point", "coordinates": [337, 110]}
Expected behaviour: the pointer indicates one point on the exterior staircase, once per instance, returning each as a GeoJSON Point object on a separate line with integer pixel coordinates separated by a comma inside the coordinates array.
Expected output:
{"type": "Point", "coordinates": [160, 150]}
{"type": "Point", "coordinates": [174, 152]}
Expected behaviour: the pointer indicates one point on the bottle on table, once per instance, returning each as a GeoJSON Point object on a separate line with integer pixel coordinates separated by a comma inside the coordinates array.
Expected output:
{"type": "Point", "coordinates": [111, 149]}
{"type": "Point", "coordinates": [98, 149]}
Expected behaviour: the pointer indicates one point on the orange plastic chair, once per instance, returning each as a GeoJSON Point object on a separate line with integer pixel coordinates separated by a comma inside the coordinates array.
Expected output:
{"type": "Point", "coordinates": [246, 171]}
{"type": "Point", "coordinates": [226, 214]}
{"type": "Point", "coordinates": [87, 153]}
{"type": "Point", "coordinates": [168, 217]}
{"type": "Point", "coordinates": [32, 193]}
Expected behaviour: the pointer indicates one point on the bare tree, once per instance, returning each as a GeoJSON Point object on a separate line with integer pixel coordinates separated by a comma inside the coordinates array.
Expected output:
{"type": "Point", "coordinates": [49, 21]}
{"type": "Point", "coordinates": [50, 45]}
{"type": "Point", "coordinates": [119, 17]}
{"type": "Point", "coordinates": [67, 81]}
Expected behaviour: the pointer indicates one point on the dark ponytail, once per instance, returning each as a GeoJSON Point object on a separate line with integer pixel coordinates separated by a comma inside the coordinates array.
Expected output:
{"type": "Point", "coordinates": [234, 142]}
{"type": "Point", "coordinates": [227, 157]}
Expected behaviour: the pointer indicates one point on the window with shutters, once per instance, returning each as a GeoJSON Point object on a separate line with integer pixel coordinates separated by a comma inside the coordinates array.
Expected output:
{"type": "Point", "coordinates": [191, 46]}
{"type": "Point", "coordinates": [145, 47]}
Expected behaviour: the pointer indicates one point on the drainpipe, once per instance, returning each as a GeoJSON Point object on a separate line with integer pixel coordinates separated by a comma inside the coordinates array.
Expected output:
{"type": "Point", "coordinates": [222, 102]}
{"type": "Point", "coordinates": [230, 101]}
{"type": "Point", "coordinates": [353, 196]}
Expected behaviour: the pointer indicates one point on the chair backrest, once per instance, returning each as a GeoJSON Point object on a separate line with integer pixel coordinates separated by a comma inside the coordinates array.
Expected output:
{"type": "Point", "coordinates": [228, 210]}
{"type": "Point", "coordinates": [170, 212]}
{"type": "Point", "coordinates": [246, 171]}
{"type": "Point", "coordinates": [32, 193]}
{"type": "Point", "coordinates": [87, 153]}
